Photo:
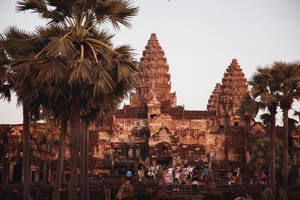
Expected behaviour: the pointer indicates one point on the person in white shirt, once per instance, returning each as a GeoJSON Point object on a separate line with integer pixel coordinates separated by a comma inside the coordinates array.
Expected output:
{"type": "Point", "coordinates": [176, 180]}
{"type": "Point", "coordinates": [190, 172]}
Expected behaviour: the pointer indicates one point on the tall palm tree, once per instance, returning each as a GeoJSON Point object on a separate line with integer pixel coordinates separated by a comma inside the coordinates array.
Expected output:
{"type": "Point", "coordinates": [84, 56]}
{"type": "Point", "coordinates": [59, 105]}
{"type": "Point", "coordinates": [288, 78]}
{"type": "Point", "coordinates": [95, 109]}
{"type": "Point", "coordinates": [17, 47]}
{"type": "Point", "coordinates": [247, 112]}
{"type": "Point", "coordinates": [264, 89]}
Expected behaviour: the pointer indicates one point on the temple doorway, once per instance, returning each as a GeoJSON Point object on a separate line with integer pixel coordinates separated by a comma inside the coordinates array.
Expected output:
{"type": "Point", "coordinates": [17, 173]}
{"type": "Point", "coordinates": [165, 162]}
{"type": "Point", "coordinates": [162, 154]}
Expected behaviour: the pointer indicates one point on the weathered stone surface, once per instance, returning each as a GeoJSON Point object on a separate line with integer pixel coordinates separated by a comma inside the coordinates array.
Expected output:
{"type": "Point", "coordinates": [174, 132]}
{"type": "Point", "coordinates": [154, 85]}
{"type": "Point", "coordinates": [126, 190]}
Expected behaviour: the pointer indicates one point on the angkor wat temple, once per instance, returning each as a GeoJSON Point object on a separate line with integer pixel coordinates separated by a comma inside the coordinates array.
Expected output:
{"type": "Point", "coordinates": [153, 128]}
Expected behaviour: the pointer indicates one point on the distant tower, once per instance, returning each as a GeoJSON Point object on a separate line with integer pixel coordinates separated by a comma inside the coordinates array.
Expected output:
{"type": "Point", "coordinates": [213, 102]}
{"type": "Point", "coordinates": [154, 87]}
{"type": "Point", "coordinates": [226, 98]}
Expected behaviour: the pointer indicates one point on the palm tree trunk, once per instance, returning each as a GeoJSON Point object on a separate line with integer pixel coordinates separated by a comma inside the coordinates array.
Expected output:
{"type": "Point", "coordinates": [74, 142]}
{"type": "Point", "coordinates": [61, 159]}
{"type": "Point", "coordinates": [25, 138]}
{"type": "Point", "coordinates": [84, 162]}
{"type": "Point", "coordinates": [87, 137]}
{"type": "Point", "coordinates": [273, 154]}
{"type": "Point", "coordinates": [285, 149]}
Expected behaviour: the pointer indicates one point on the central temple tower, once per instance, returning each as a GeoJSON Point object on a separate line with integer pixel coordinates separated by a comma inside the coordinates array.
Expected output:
{"type": "Point", "coordinates": [153, 91]}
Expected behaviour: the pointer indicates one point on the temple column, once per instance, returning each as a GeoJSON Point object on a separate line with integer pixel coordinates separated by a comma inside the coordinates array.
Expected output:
{"type": "Point", "coordinates": [130, 153]}
{"type": "Point", "coordinates": [11, 171]}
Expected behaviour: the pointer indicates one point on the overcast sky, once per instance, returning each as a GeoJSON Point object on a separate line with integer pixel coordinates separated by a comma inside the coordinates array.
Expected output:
{"type": "Point", "coordinates": [199, 37]}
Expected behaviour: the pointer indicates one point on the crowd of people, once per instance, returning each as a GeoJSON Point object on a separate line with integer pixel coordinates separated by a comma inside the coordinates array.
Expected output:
{"type": "Point", "coordinates": [174, 175]}
{"type": "Point", "coordinates": [184, 174]}
{"type": "Point", "coordinates": [233, 176]}
{"type": "Point", "coordinates": [189, 174]}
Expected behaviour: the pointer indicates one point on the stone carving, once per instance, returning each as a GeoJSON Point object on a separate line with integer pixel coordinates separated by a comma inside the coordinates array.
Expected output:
{"type": "Point", "coordinates": [163, 135]}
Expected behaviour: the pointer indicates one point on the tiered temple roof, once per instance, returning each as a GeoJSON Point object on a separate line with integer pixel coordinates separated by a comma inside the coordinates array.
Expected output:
{"type": "Point", "coordinates": [214, 100]}
{"type": "Point", "coordinates": [153, 94]}
{"type": "Point", "coordinates": [226, 98]}
{"type": "Point", "coordinates": [154, 77]}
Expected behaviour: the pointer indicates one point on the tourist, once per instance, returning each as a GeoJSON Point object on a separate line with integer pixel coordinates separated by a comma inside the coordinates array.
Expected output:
{"type": "Point", "coordinates": [263, 178]}
{"type": "Point", "coordinates": [157, 169]}
{"type": "Point", "coordinates": [229, 178]}
{"type": "Point", "coordinates": [151, 168]}
{"type": "Point", "coordinates": [183, 175]}
{"type": "Point", "coordinates": [238, 173]}
{"type": "Point", "coordinates": [151, 174]}
{"type": "Point", "coordinates": [129, 173]}
{"type": "Point", "coordinates": [190, 172]}
{"type": "Point", "coordinates": [170, 170]}
{"type": "Point", "coordinates": [176, 179]}
{"type": "Point", "coordinates": [195, 184]}
{"type": "Point", "coordinates": [141, 174]}
{"type": "Point", "coordinates": [205, 172]}
{"type": "Point", "coordinates": [168, 177]}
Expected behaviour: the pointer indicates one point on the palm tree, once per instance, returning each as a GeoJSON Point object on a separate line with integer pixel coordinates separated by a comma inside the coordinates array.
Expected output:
{"type": "Point", "coordinates": [288, 78]}
{"type": "Point", "coordinates": [95, 109]}
{"type": "Point", "coordinates": [83, 55]}
{"type": "Point", "coordinates": [5, 86]}
{"type": "Point", "coordinates": [61, 112]}
{"type": "Point", "coordinates": [264, 89]}
{"type": "Point", "coordinates": [17, 47]}
{"type": "Point", "coordinates": [247, 112]}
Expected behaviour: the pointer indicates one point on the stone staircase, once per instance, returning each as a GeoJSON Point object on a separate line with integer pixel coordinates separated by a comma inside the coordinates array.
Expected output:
{"type": "Point", "coordinates": [185, 192]}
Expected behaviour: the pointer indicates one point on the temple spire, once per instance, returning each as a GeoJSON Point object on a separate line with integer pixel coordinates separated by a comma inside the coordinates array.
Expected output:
{"type": "Point", "coordinates": [226, 98]}
{"type": "Point", "coordinates": [154, 76]}
{"type": "Point", "coordinates": [153, 37]}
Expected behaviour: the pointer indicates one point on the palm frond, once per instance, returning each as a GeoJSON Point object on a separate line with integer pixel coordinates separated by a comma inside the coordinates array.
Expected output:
{"type": "Point", "coordinates": [5, 92]}
{"type": "Point", "coordinates": [81, 73]}
{"type": "Point", "coordinates": [104, 84]}
{"type": "Point", "coordinates": [39, 7]}
{"type": "Point", "coordinates": [116, 11]}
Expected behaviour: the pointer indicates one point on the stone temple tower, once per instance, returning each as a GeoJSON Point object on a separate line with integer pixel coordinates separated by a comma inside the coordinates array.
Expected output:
{"type": "Point", "coordinates": [153, 91]}
{"type": "Point", "coordinates": [226, 97]}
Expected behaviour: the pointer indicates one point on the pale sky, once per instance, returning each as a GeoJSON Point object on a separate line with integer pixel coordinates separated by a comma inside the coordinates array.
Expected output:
{"type": "Point", "coordinates": [199, 38]}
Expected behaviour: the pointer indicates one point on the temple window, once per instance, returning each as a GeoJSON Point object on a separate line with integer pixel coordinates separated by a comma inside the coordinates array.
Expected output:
{"type": "Point", "coordinates": [152, 116]}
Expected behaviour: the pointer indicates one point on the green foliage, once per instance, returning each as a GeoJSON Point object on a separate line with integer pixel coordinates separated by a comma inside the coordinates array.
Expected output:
{"type": "Point", "coordinates": [260, 153]}
{"type": "Point", "coordinates": [248, 109]}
